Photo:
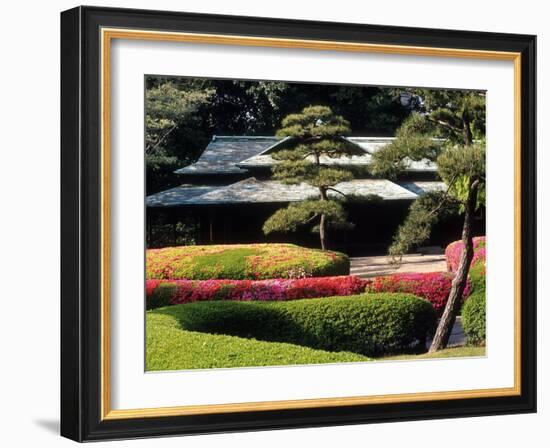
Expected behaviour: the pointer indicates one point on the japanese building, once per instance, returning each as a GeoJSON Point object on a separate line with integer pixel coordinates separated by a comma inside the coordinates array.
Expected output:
{"type": "Point", "coordinates": [229, 193]}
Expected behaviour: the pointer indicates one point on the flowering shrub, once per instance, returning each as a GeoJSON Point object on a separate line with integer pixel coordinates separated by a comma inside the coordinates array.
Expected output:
{"type": "Point", "coordinates": [432, 286]}
{"type": "Point", "coordinates": [171, 292]}
{"type": "Point", "coordinates": [243, 262]}
{"type": "Point", "coordinates": [454, 251]}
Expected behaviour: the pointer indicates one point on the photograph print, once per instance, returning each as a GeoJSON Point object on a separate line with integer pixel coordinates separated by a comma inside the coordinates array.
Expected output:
{"type": "Point", "coordinates": [302, 223]}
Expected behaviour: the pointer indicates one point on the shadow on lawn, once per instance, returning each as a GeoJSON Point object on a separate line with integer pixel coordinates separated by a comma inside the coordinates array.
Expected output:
{"type": "Point", "coordinates": [316, 323]}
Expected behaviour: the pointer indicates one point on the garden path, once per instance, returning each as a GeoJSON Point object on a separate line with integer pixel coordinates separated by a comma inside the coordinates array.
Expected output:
{"type": "Point", "coordinates": [366, 267]}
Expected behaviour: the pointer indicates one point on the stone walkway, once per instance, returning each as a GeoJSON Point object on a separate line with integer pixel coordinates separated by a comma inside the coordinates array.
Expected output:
{"type": "Point", "coordinates": [366, 267]}
{"type": "Point", "coordinates": [457, 338]}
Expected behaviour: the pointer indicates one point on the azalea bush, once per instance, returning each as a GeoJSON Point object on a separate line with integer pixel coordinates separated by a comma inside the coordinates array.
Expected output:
{"type": "Point", "coordinates": [243, 262]}
{"type": "Point", "coordinates": [432, 286]}
{"type": "Point", "coordinates": [367, 324]}
{"type": "Point", "coordinates": [171, 292]}
{"type": "Point", "coordinates": [454, 251]}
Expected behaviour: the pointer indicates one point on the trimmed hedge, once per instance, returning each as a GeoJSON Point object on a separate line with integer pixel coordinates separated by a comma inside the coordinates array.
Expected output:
{"type": "Point", "coordinates": [454, 251]}
{"type": "Point", "coordinates": [474, 309]}
{"type": "Point", "coordinates": [368, 324]}
{"type": "Point", "coordinates": [473, 319]}
{"type": "Point", "coordinates": [243, 262]}
{"type": "Point", "coordinates": [172, 292]}
{"type": "Point", "coordinates": [432, 286]}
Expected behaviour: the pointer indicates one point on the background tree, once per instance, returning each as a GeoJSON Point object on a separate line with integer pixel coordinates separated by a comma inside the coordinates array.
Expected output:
{"type": "Point", "coordinates": [169, 112]}
{"type": "Point", "coordinates": [201, 107]}
{"type": "Point", "coordinates": [457, 117]}
{"type": "Point", "coordinates": [316, 134]}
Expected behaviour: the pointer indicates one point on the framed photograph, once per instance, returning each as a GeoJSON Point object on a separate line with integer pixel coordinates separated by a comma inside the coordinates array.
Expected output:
{"type": "Point", "coordinates": [277, 224]}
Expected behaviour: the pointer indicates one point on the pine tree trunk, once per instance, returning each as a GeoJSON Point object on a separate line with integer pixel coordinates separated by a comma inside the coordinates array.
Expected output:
{"type": "Point", "coordinates": [447, 321]}
{"type": "Point", "coordinates": [323, 221]}
{"type": "Point", "coordinates": [322, 232]}
{"type": "Point", "coordinates": [466, 130]}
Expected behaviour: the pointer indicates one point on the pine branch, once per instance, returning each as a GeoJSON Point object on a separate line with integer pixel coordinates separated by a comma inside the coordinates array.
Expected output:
{"type": "Point", "coordinates": [337, 191]}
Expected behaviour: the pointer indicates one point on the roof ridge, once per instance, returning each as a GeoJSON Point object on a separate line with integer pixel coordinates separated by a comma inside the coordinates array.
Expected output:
{"type": "Point", "coordinates": [248, 137]}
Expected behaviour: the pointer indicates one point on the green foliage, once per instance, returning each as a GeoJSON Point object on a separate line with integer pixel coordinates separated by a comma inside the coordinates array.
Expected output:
{"type": "Point", "coordinates": [418, 224]}
{"type": "Point", "coordinates": [166, 109]}
{"type": "Point", "coordinates": [414, 142]}
{"type": "Point", "coordinates": [456, 116]}
{"type": "Point", "coordinates": [477, 276]}
{"type": "Point", "coordinates": [233, 262]}
{"type": "Point", "coordinates": [168, 347]}
{"type": "Point", "coordinates": [169, 112]}
{"type": "Point", "coordinates": [448, 110]}
{"type": "Point", "coordinates": [312, 122]}
{"type": "Point", "coordinates": [474, 317]}
{"type": "Point", "coordinates": [457, 166]}
{"type": "Point", "coordinates": [316, 133]}
{"type": "Point", "coordinates": [163, 293]}
{"type": "Point", "coordinates": [459, 190]}
{"type": "Point", "coordinates": [292, 172]}
{"type": "Point", "coordinates": [243, 262]}
{"type": "Point", "coordinates": [302, 213]}
{"type": "Point", "coordinates": [368, 324]}
{"type": "Point", "coordinates": [462, 161]}
{"type": "Point", "coordinates": [235, 107]}
{"type": "Point", "coordinates": [474, 309]}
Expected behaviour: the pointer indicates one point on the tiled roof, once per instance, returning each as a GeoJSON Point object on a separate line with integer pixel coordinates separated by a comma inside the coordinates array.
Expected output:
{"type": "Point", "coordinates": [369, 145]}
{"type": "Point", "coordinates": [252, 190]}
{"type": "Point", "coordinates": [234, 155]}
{"type": "Point", "coordinates": [179, 195]}
{"type": "Point", "coordinates": [223, 152]}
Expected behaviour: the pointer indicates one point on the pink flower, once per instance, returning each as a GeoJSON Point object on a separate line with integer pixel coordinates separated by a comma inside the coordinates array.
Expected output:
{"type": "Point", "coordinates": [267, 290]}
{"type": "Point", "coordinates": [453, 252]}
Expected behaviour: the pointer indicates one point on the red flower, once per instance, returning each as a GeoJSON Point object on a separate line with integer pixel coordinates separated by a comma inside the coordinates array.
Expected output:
{"type": "Point", "coordinates": [432, 286]}
{"type": "Point", "coordinates": [276, 289]}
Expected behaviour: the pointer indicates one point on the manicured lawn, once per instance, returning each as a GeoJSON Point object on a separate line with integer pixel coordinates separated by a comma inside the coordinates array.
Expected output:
{"type": "Point", "coordinates": [168, 347]}
{"type": "Point", "coordinates": [243, 262]}
{"type": "Point", "coordinates": [454, 352]}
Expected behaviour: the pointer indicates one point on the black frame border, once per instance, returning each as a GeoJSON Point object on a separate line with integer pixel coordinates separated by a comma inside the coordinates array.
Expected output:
{"type": "Point", "coordinates": [81, 223]}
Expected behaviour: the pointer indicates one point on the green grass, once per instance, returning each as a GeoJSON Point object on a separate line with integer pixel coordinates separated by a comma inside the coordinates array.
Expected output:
{"type": "Point", "coordinates": [168, 347]}
{"type": "Point", "coordinates": [453, 352]}
{"type": "Point", "coordinates": [233, 262]}
{"type": "Point", "coordinates": [171, 347]}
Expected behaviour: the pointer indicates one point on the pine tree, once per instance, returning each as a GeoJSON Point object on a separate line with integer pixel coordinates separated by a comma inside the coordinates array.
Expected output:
{"type": "Point", "coordinates": [458, 117]}
{"type": "Point", "coordinates": [316, 135]}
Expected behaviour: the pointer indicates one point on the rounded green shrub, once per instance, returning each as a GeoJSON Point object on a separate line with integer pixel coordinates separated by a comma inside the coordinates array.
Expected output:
{"type": "Point", "coordinates": [473, 318]}
{"type": "Point", "coordinates": [162, 296]}
{"type": "Point", "coordinates": [243, 262]}
{"type": "Point", "coordinates": [368, 324]}
{"type": "Point", "coordinates": [477, 278]}
{"type": "Point", "coordinates": [474, 308]}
